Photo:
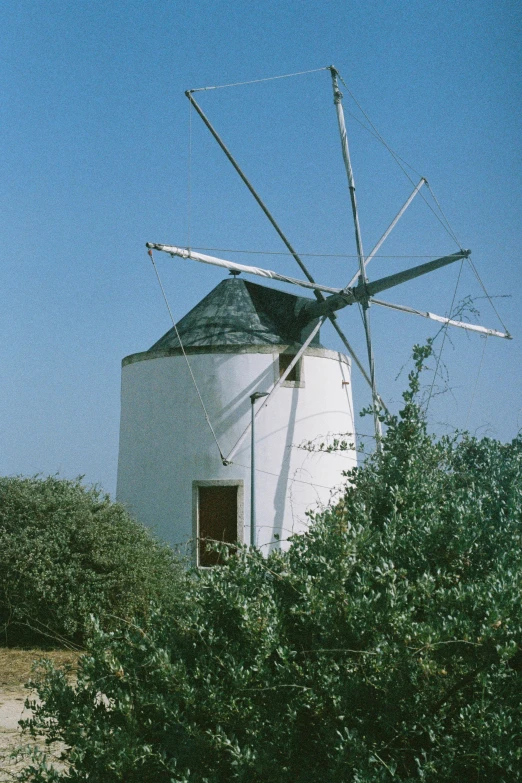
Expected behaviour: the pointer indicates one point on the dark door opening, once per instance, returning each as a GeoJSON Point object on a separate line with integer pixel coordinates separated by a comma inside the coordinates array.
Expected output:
{"type": "Point", "coordinates": [217, 520]}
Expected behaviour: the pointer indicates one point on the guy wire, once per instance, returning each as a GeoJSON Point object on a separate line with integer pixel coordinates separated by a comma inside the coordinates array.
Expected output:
{"type": "Point", "coordinates": [257, 81]}
{"type": "Point", "coordinates": [445, 332]}
{"type": "Point", "coordinates": [189, 178]}
{"type": "Point", "coordinates": [223, 459]}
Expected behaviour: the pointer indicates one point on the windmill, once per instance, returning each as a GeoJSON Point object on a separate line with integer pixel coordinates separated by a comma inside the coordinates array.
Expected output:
{"type": "Point", "coordinates": [246, 344]}
{"type": "Point", "coordinates": [359, 290]}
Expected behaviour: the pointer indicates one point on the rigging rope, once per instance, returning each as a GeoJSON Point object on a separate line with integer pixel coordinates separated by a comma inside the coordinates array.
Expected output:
{"type": "Point", "coordinates": [312, 255]}
{"type": "Point", "coordinates": [448, 226]}
{"type": "Point", "coordinates": [375, 133]}
{"type": "Point", "coordinates": [440, 215]}
{"type": "Point", "coordinates": [443, 220]}
{"type": "Point", "coordinates": [256, 81]}
{"type": "Point", "coordinates": [222, 456]}
{"type": "Point", "coordinates": [399, 161]}
{"type": "Point", "coordinates": [444, 329]}
{"type": "Point", "coordinates": [294, 480]}
{"type": "Point", "coordinates": [486, 293]}
{"type": "Point", "coordinates": [189, 178]}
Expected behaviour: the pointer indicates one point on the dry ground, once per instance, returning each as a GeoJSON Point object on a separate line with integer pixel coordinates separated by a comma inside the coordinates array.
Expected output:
{"type": "Point", "coordinates": [15, 671]}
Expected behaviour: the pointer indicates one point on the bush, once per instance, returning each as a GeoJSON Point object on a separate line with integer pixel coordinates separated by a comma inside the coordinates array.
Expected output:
{"type": "Point", "coordinates": [67, 552]}
{"type": "Point", "coordinates": [384, 645]}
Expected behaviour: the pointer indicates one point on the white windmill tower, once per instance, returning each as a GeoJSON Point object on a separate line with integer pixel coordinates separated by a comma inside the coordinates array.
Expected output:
{"type": "Point", "coordinates": [186, 471]}
{"type": "Point", "coordinates": [249, 355]}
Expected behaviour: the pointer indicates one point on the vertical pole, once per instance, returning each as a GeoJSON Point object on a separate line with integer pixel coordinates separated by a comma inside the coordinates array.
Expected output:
{"type": "Point", "coordinates": [253, 398]}
{"type": "Point", "coordinates": [252, 477]}
{"type": "Point", "coordinates": [338, 96]}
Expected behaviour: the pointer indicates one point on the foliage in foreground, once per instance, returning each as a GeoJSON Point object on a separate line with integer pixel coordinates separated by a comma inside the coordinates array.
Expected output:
{"type": "Point", "coordinates": [384, 645]}
{"type": "Point", "coordinates": [67, 552]}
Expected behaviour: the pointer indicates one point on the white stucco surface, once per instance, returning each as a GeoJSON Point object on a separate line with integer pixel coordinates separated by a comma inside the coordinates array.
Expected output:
{"type": "Point", "coordinates": [166, 444]}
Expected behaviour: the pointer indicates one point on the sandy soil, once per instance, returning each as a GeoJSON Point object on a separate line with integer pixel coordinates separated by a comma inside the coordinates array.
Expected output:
{"type": "Point", "coordinates": [15, 670]}
{"type": "Point", "coordinates": [11, 711]}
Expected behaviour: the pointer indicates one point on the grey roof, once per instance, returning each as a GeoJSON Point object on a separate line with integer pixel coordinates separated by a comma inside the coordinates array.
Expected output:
{"type": "Point", "coordinates": [238, 312]}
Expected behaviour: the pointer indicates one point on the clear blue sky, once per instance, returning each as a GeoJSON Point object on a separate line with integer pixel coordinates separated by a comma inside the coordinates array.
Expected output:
{"type": "Point", "coordinates": [94, 163]}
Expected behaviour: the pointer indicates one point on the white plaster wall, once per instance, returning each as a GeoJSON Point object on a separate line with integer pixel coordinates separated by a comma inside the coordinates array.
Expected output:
{"type": "Point", "coordinates": [166, 444]}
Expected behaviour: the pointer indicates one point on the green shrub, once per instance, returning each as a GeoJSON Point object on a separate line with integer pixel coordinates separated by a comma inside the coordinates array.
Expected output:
{"type": "Point", "coordinates": [67, 552]}
{"type": "Point", "coordinates": [384, 645]}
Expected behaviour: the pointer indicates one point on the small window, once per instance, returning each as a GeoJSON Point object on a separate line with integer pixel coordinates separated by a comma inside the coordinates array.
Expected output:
{"type": "Point", "coordinates": [217, 519]}
{"type": "Point", "coordinates": [284, 361]}
{"type": "Point", "coordinates": [294, 378]}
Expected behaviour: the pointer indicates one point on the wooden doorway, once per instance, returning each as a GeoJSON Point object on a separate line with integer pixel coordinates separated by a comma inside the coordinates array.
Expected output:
{"type": "Point", "coordinates": [218, 507]}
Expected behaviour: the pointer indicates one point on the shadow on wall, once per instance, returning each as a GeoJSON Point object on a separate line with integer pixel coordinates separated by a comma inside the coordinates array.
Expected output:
{"type": "Point", "coordinates": [281, 499]}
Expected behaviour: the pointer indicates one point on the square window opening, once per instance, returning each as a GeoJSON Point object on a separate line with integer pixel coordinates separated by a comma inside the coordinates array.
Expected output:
{"type": "Point", "coordinates": [294, 376]}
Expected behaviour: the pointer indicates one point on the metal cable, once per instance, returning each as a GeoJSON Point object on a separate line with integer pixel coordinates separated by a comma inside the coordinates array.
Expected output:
{"type": "Point", "coordinates": [256, 81]}
{"type": "Point", "coordinates": [448, 226]}
{"type": "Point", "coordinates": [472, 265]}
{"type": "Point", "coordinates": [277, 475]}
{"type": "Point", "coordinates": [375, 133]}
{"type": "Point", "coordinates": [443, 220]}
{"type": "Point", "coordinates": [313, 255]}
{"type": "Point", "coordinates": [398, 160]}
{"type": "Point", "coordinates": [222, 456]}
{"type": "Point", "coordinates": [487, 295]}
{"type": "Point", "coordinates": [445, 331]}
{"type": "Point", "coordinates": [189, 178]}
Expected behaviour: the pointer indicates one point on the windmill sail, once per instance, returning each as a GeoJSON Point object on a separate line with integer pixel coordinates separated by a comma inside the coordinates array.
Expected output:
{"type": "Point", "coordinates": [342, 298]}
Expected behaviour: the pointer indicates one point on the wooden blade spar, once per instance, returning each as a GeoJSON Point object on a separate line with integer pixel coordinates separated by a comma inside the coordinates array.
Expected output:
{"type": "Point", "coordinates": [318, 294]}
{"type": "Point", "coordinates": [443, 320]}
{"type": "Point", "coordinates": [338, 103]}
{"type": "Point", "coordinates": [388, 231]}
{"type": "Point", "coordinates": [339, 298]}
{"type": "Point", "coordinates": [185, 252]}
{"type": "Point", "coordinates": [410, 274]}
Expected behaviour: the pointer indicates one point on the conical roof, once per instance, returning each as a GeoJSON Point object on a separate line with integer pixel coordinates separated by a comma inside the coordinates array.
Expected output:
{"type": "Point", "coordinates": [238, 312]}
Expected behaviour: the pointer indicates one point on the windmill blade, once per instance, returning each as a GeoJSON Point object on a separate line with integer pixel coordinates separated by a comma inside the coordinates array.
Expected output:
{"type": "Point", "coordinates": [338, 103]}
{"type": "Point", "coordinates": [253, 191]}
{"type": "Point", "coordinates": [407, 274]}
{"type": "Point", "coordinates": [336, 301]}
{"type": "Point", "coordinates": [183, 252]}
{"type": "Point", "coordinates": [317, 290]}
{"type": "Point", "coordinates": [231, 266]}
{"type": "Point", "coordinates": [388, 231]}
{"type": "Point", "coordinates": [441, 319]}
